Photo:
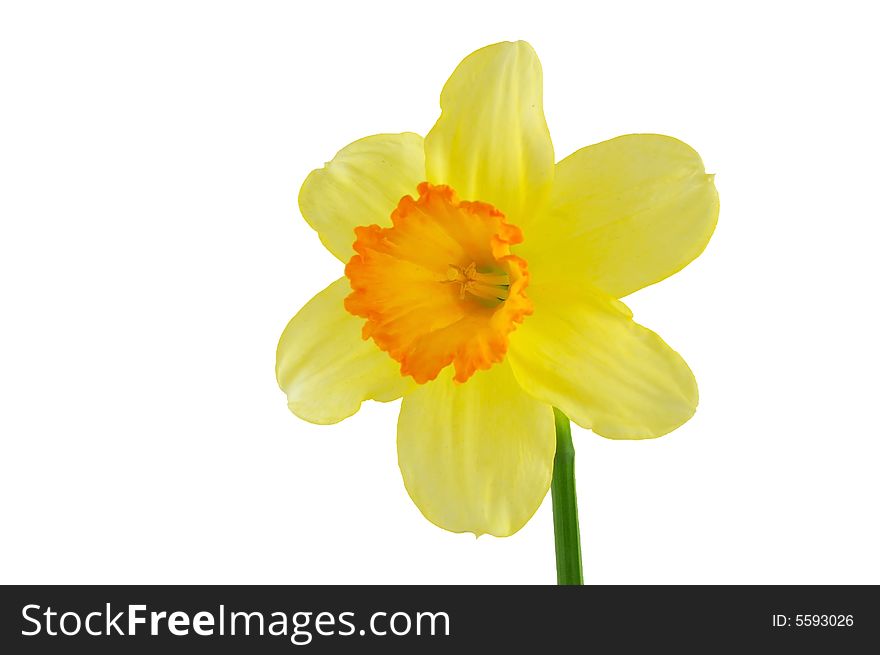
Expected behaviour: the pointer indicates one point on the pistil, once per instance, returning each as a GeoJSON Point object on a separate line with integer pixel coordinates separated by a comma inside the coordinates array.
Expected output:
{"type": "Point", "coordinates": [491, 286]}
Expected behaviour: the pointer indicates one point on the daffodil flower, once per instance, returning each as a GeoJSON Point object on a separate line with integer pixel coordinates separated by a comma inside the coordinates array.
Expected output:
{"type": "Point", "coordinates": [482, 285]}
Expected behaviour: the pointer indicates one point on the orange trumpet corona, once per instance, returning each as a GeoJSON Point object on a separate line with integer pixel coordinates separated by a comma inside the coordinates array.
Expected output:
{"type": "Point", "coordinates": [440, 286]}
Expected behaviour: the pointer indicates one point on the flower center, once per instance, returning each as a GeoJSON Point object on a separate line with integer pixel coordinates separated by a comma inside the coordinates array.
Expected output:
{"type": "Point", "coordinates": [489, 287]}
{"type": "Point", "coordinates": [440, 285]}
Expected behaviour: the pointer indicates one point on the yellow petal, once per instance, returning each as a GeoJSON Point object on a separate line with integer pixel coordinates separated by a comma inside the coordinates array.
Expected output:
{"type": "Point", "coordinates": [625, 213]}
{"type": "Point", "coordinates": [326, 368]}
{"type": "Point", "coordinates": [361, 186]}
{"type": "Point", "coordinates": [582, 352]}
{"type": "Point", "coordinates": [476, 457]}
{"type": "Point", "coordinates": [491, 141]}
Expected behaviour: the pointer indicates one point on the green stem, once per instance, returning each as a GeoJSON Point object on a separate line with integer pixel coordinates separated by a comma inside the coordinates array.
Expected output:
{"type": "Point", "coordinates": [569, 570]}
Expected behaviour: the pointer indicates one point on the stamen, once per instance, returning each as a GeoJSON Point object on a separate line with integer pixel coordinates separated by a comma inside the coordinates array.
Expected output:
{"type": "Point", "coordinates": [493, 286]}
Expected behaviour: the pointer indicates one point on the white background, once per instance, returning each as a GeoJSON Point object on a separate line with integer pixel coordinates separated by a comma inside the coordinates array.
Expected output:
{"type": "Point", "coordinates": [152, 251]}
